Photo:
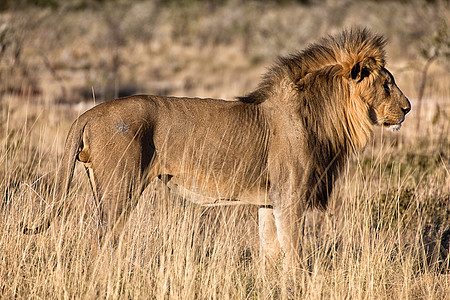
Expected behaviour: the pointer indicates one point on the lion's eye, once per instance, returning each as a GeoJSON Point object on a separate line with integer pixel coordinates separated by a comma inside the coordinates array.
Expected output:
{"type": "Point", "coordinates": [386, 88]}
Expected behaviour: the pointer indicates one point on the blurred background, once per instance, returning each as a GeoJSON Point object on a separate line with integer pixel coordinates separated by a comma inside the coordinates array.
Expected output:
{"type": "Point", "coordinates": [74, 51]}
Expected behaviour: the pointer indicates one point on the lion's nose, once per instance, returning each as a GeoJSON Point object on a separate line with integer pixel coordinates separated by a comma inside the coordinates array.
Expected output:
{"type": "Point", "coordinates": [407, 108]}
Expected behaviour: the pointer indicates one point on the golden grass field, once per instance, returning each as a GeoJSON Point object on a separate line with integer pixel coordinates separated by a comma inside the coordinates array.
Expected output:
{"type": "Point", "coordinates": [385, 235]}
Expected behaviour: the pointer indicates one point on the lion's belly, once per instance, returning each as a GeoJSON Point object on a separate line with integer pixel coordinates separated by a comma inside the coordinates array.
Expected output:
{"type": "Point", "coordinates": [217, 193]}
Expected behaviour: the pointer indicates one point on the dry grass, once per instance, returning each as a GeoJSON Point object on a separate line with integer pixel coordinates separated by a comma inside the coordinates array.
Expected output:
{"type": "Point", "coordinates": [386, 234]}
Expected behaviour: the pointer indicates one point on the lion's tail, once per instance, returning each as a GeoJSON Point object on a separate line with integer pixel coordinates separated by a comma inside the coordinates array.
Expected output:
{"type": "Point", "coordinates": [73, 143]}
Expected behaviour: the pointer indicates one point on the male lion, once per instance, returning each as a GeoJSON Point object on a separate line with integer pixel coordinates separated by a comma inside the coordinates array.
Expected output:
{"type": "Point", "coordinates": [281, 146]}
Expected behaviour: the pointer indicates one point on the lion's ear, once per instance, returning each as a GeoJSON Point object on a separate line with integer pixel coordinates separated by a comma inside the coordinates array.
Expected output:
{"type": "Point", "coordinates": [363, 69]}
{"type": "Point", "coordinates": [301, 82]}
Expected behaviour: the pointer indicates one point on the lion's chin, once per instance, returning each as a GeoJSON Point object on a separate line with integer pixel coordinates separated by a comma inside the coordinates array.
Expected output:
{"type": "Point", "coordinates": [393, 128]}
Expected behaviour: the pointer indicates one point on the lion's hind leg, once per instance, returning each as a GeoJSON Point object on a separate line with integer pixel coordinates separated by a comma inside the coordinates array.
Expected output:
{"type": "Point", "coordinates": [117, 183]}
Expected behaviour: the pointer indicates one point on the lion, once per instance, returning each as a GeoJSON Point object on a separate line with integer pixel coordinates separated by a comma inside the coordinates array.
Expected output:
{"type": "Point", "coordinates": [280, 147]}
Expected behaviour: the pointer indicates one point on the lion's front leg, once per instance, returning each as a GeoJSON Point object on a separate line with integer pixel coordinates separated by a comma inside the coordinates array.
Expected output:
{"type": "Point", "coordinates": [287, 210]}
{"type": "Point", "coordinates": [268, 240]}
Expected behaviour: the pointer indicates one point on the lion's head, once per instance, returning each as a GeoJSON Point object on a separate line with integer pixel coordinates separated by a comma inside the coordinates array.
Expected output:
{"type": "Point", "coordinates": [375, 86]}
{"type": "Point", "coordinates": [339, 81]}
{"type": "Point", "coordinates": [342, 86]}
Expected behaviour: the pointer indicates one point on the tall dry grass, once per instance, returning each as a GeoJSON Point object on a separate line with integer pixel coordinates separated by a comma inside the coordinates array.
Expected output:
{"type": "Point", "coordinates": [385, 235]}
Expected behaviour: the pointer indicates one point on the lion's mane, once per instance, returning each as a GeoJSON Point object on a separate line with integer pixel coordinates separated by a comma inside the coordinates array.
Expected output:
{"type": "Point", "coordinates": [335, 122]}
